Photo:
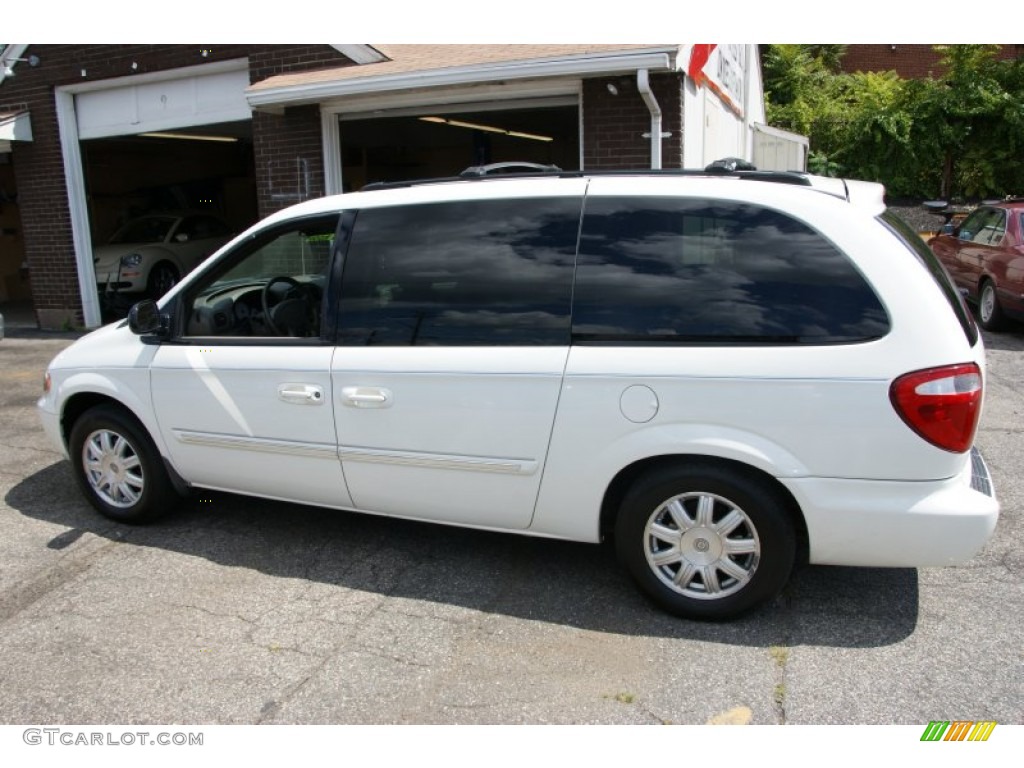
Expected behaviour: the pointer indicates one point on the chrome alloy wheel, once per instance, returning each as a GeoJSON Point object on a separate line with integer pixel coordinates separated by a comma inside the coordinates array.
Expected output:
{"type": "Point", "coordinates": [987, 304]}
{"type": "Point", "coordinates": [113, 468]}
{"type": "Point", "coordinates": [702, 545]}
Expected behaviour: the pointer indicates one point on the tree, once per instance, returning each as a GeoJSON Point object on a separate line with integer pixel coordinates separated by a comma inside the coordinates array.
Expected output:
{"type": "Point", "coordinates": [959, 134]}
{"type": "Point", "coordinates": [976, 118]}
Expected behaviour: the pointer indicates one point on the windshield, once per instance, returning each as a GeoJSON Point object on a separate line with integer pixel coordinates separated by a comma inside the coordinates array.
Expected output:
{"type": "Point", "coordinates": [152, 229]}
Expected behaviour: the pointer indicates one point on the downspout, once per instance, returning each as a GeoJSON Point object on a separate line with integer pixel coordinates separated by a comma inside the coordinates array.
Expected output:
{"type": "Point", "coordinates": [643, 85]}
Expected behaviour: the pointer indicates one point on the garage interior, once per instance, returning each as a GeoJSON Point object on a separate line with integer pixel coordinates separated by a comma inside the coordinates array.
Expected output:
{"type": "Point", "coordinates": [205, 168]}
{"type": "Point", "coordinates": [208, 168]}
{"type": "Point", "coordinates": [201, 168]}
{"type": "Point", "coordinates": [436, 142]}
{"type": "Point", "coordinates": [14, 283]}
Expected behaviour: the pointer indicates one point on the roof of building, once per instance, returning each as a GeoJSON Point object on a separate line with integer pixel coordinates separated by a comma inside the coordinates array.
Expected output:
{"type": "Point", "coordinates": [402, 62]}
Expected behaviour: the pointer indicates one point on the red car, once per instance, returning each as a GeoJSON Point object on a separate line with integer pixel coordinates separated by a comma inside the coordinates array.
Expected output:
{"type": "Point", "coordinates": [985, 256]}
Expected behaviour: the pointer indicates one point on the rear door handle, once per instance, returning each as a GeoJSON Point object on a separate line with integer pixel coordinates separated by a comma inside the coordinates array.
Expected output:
{"type": "Point", "coordinates": [367, 397]}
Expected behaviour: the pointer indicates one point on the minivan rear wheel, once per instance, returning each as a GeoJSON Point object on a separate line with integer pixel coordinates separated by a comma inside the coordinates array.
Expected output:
{"type": "Point", "coordinates": [706, 542]}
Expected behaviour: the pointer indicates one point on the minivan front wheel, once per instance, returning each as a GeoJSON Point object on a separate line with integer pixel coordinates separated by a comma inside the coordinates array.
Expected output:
{"type": "Point", "coordinates": [118, 467]}
{"type": "Point", "coordinates": [706, 542]}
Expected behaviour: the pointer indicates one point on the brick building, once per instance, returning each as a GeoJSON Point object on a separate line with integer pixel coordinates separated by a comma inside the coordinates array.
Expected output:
{"type": "Point", "coordinates": [908, 61]}
{"type": "Point", "coordinates": [94, 135]}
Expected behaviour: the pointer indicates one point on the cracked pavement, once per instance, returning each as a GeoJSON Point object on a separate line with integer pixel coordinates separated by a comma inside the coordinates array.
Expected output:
{"type": "Point", "coordinates": [238, 610]}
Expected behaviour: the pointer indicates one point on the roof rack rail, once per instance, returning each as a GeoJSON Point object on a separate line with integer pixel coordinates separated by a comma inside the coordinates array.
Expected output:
{"type": "Point", "coordinates": [499, 168]}
{"type": "Point", "coordinates": [535, 170]}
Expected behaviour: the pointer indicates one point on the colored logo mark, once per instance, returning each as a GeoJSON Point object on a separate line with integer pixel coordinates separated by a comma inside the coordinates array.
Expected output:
{"type": "Point", "coordinates": [958, 730]}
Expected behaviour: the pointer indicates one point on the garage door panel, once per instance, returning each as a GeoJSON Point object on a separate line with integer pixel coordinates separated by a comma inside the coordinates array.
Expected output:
{"type": "Point", "coordinates": [156, 106]}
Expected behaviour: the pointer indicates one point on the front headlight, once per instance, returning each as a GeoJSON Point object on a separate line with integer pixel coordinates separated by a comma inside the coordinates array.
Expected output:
{"type": "Point", "coordinates": [131, 260]}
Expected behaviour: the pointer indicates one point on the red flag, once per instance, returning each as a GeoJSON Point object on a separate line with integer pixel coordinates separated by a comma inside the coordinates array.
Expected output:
{"type": "Point", "coordinates": [698, 58]}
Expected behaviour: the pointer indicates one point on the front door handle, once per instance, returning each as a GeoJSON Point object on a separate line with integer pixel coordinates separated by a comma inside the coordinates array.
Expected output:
{"type": "Point", "coordinates": [301, 394]}
{"type": "Point", "coordinates": [367, 397]}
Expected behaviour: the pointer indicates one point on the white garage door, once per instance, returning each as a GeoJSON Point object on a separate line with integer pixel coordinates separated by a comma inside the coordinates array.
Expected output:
{"type": "Point", "coordinates": [158, 106]}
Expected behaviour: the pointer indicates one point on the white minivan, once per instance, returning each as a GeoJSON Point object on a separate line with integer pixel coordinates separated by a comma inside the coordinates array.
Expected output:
{"type": "Point", "coordinates": [729, 373]}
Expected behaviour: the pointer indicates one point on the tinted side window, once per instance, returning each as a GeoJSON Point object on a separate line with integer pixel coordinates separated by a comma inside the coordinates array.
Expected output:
{"type": "Point", "coordinates": [674, 270]}
{"type": "Point", "coordinates": [913, 242]}
{"type": "Point", "coordinates": [489, 272]}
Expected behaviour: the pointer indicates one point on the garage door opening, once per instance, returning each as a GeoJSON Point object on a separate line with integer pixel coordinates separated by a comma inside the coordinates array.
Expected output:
{"type": "Point", "coordinates": [183, 191]}
{"type": "Point", "coordinates": [14, 283]}
{"type": "Point", "coordinates": [436, 143]}
{"type": "Point", "coordinates": [208, 168]}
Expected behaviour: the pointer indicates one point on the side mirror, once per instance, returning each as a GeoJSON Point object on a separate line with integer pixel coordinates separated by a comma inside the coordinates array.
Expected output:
{"type": "Point", "coordinates": [181, 237]}
{"type": "Point", "coordinates": [145, 319]}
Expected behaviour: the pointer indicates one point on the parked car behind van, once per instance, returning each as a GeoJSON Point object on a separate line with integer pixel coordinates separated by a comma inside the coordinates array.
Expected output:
{"type": "Point", "coordinates": [727, 373]}
{"type": "Point", "coordinates": [985, 256]}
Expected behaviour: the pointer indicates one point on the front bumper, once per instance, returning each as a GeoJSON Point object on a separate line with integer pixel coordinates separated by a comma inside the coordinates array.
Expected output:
{"type": "Point", "coordinates": [50, 421]}
{"type": "Point", "coordinates": [111, 279]}
{"type": "Point", "coordinates": [898, 524]}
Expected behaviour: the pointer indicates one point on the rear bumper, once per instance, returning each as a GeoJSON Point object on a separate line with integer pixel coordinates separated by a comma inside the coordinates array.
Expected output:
{"type": "Point", "coordinates": [898, 524]}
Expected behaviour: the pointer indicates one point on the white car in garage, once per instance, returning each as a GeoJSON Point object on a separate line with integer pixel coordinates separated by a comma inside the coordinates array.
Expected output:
{"type": "Point", "coordinates": [150, 254]}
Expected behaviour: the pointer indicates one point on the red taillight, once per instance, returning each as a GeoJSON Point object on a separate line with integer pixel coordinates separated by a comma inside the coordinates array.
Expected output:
{"type": "Point", "coordinates": [941, 404]}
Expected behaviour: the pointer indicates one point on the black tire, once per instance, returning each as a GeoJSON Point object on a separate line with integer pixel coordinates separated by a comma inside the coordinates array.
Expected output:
{"type": "Point", "coordinates": [118, 468]}
{"type": "Point", "coordinates": [727, 542]}
{"type": "Point", "coordinates": [990, 314]}
{"type": "Point", "coordinates": [162, 277]}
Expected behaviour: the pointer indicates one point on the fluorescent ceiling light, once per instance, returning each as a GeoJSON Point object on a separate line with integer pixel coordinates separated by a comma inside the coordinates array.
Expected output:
{"type": "Point", "coordinates": [487, 128]}
{"type": "Point", "coordinates": [192, 136]}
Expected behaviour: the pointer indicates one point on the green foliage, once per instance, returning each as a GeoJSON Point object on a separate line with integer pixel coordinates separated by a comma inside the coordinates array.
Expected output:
{"type": "Point", "coordinates": [957, 135]}
{"type": "Point", "coordinates": [821, 164]}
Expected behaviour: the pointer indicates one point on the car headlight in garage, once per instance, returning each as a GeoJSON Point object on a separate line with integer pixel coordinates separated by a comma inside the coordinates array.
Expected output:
{"type": "Point", "coordinates": [131, 260]}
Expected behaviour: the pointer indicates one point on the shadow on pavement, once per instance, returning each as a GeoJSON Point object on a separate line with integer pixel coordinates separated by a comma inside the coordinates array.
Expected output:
{"type": "Point", "coordinates": [564, 583]}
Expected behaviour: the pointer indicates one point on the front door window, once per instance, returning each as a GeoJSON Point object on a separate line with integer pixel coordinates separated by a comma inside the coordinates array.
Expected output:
{"type": "Point", "coordinates": [272, 287]}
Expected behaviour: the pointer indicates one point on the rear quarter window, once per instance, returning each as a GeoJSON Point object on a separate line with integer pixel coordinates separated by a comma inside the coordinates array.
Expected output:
{"type": "Point", "coordinates": [694, 271]}
{"type": "Point", "coordinates": [913, 243]}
